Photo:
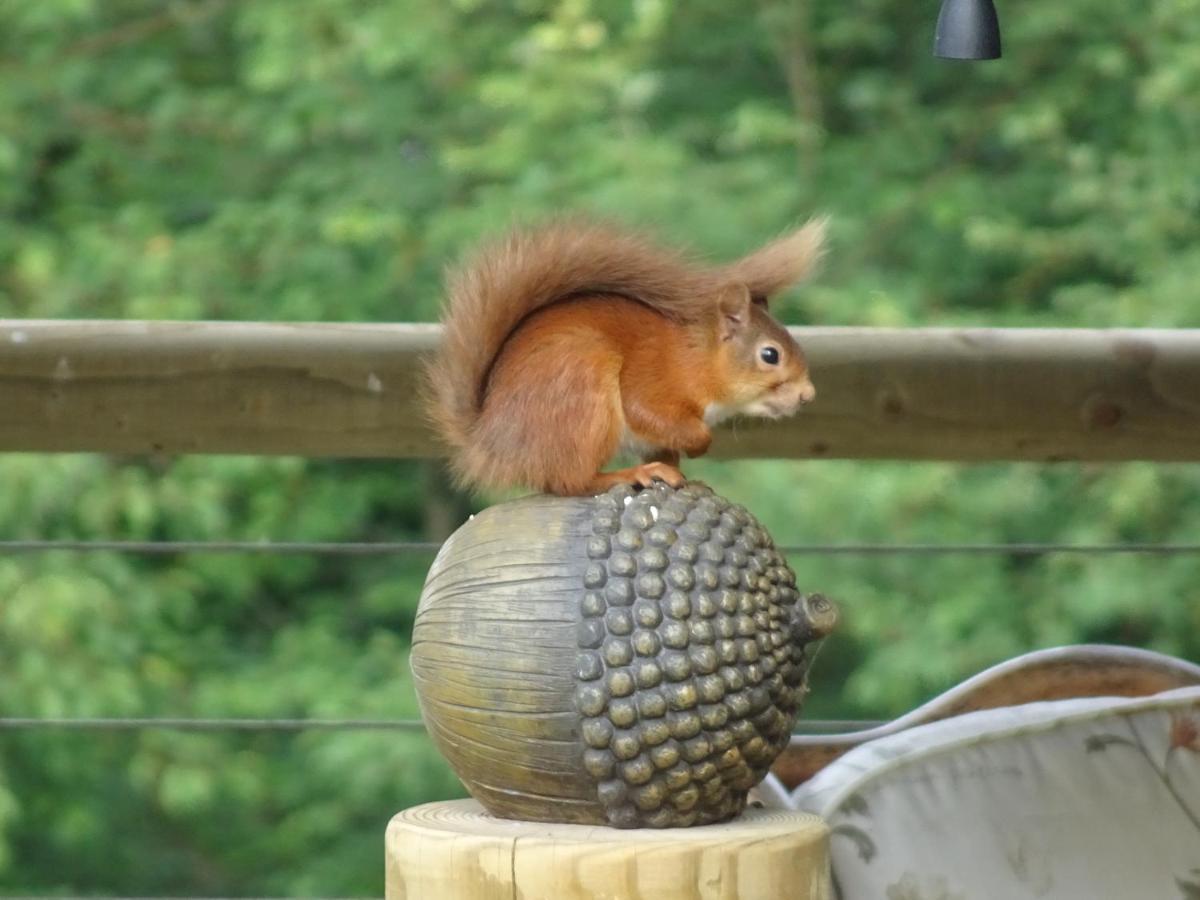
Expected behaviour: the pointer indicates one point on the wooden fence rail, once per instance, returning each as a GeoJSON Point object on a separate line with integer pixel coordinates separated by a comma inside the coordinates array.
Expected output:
{"type": "Point", "coordinates": [353, 390]}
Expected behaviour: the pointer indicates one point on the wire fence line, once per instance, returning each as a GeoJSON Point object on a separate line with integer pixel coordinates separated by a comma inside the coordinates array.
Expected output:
{"type": "Point", "coordinates": [118, 723]}
{"type": "Point", "coordinates": [386, 548]}
{"type": "Point", "coordinates": [400, 548]}
{"type": "Point", "coordinates": [171, 548]}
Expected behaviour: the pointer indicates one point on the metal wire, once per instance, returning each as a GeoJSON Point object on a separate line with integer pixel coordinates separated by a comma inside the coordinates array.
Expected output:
{"type": "Point", "coordinates": [114, 723]}
{"type": "Point", "coordinates": [381, 548]}
{"type": "Point", "coordinates": [1027, 549]}
{"type": "Point", "coordinates": [397, 548]}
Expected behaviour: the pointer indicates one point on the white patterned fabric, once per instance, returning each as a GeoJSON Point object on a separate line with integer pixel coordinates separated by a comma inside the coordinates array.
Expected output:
{"type": "Point", "coordinates": [1091, 799]}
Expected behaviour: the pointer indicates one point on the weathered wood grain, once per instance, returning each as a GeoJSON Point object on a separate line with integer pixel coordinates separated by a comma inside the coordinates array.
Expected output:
{"type": "Point", "coordinates": [453, 851]}
{"type": "Point", "coordinates": [353, 390]}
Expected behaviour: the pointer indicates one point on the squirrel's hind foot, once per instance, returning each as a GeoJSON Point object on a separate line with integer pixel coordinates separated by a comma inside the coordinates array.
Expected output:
{"type": "Point", "coordinates": [643, 476]}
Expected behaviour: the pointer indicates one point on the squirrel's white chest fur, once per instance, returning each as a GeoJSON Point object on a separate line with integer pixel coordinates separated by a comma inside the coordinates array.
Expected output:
{"type": "Point", "coordinates": [716, 413]}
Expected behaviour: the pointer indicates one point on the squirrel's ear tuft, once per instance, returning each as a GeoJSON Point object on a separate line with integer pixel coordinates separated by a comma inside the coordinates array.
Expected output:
{"type": "Point", "coordinates": [781, 263]}
{"type": "Point", "coordinates": [733, 304]}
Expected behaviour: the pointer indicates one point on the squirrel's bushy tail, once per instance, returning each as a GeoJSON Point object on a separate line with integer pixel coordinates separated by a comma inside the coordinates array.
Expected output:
{"type": "Point", "coordinates": [783, 262]}
{"type": "Point", "coordinates": [508, 280]}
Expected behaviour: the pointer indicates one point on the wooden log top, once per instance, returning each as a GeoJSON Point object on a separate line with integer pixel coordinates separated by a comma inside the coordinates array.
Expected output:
{"type": "Point", "coordinates": [353, 390]}
{"type": "Point", "coordinates": [454, 851]}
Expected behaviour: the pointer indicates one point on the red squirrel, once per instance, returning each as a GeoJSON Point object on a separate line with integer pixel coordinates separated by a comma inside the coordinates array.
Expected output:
{"type": "Point", "coordinates": [568, 343]}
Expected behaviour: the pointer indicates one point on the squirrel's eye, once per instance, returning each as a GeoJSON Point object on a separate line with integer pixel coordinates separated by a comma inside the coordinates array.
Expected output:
{"type": "Point", "coordinates": [769, 355]}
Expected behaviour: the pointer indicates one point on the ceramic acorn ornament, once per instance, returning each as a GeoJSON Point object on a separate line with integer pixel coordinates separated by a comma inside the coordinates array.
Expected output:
{"type": "Point", "coordinates": [635, 659]}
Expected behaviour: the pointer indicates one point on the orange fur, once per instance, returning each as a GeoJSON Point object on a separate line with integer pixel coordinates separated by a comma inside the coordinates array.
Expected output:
{"type": "Point", "coordinates": [564, 342]}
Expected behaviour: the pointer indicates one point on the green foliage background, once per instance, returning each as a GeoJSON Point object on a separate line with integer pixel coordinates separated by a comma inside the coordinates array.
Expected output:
{"type": "Point", "coordinates": [323, 159]}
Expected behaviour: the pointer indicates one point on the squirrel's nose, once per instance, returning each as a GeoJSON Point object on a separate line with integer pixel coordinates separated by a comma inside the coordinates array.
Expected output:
{"type": "Point", "coordinates": [807, 391]}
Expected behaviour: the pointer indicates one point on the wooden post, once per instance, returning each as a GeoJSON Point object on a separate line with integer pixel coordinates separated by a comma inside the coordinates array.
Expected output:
{"type": "Point", "coordinates": [455, 851]}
